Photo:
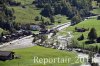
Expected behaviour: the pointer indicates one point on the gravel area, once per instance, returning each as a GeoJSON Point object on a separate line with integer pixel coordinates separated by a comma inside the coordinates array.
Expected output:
{"type": "Point", "coordinates": [18, 43]}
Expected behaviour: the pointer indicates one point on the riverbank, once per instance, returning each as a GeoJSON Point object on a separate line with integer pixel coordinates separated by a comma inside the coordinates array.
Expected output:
{"type": "Point", "coordinates": [18, 43]}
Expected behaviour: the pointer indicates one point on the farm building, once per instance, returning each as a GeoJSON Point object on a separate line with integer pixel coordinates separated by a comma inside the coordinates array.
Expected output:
{"type": "Point", "coordinates": [6, 55]}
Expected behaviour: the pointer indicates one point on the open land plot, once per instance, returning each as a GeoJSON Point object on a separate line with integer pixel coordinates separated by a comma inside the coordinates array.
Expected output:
{"type": "Point", "coordinates": [27, 55]}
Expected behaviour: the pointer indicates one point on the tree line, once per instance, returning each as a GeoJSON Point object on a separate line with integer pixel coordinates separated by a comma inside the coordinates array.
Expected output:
{"type": "Point", "coordinates": [76, 10]}
{"type": "Point", "coordinates": [7, 18]}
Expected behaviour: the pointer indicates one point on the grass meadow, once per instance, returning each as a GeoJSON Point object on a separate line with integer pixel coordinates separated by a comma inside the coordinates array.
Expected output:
{"type": "Point", "coordinates": [90, 23]}
{"type": "Point", "coordinates": [27, 55]}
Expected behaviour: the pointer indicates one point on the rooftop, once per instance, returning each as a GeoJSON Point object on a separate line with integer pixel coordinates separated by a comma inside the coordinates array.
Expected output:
{"type": "Point", "coordinates": [5, 53]}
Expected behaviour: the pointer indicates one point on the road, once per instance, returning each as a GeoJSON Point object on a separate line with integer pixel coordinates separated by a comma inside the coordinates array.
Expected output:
{"type": "Point", "coordinates": [62, 26]}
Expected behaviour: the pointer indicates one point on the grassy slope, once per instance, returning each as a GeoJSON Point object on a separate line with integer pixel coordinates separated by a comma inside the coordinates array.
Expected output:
{"type": "Point", "coordinates": [62, 19]}
{"type": "Point", "coordinates": [94, 3]}
{"type": "Point", "coordinates": [27, 15]}
{"type": "Point", "coordinates": [96, 11]}
{"type": "Point", "coordinates": [1, 30]}
{"type": "Point", "coordinates": [85, 24]}
{"type": "Point", "coordinates": [28, 53]}
{"type": "Point", "coordinates": [59, 18]}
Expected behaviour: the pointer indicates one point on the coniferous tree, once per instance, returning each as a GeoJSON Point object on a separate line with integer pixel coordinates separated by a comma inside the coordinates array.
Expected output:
{"type": "Point", "coordinates": [92, 35]}
{"type": "Point", "coordinates": [98, 40]}
{"type": "Point", "coordinates": [37, 18]}
{"type": "Point", "coordinates": [76, 19]}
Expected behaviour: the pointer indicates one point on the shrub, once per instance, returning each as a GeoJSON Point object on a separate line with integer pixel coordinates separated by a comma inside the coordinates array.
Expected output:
{"type": "Point", "coordinates": [98, 18]}
{"type": "Point", "coordinates": [94, 64]}
{"type": "Point", "coordinates": [98, 40]}
{"type": "Point", "coordinates": [81, 37]}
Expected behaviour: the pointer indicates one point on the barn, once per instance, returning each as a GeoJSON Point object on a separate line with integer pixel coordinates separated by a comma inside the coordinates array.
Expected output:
{"type": "Point", "coordinates": [6, 55]}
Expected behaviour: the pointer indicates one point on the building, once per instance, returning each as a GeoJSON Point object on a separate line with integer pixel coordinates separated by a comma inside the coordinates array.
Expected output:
{"type": "Point", "coordinates": [35, 27]}
{"type": "Point", "coordinates": [6, 55]}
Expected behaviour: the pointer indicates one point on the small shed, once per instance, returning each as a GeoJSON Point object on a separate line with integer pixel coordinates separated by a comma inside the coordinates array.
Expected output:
{"type": "Point", "coordinates": [6, 55]}
{"type": "Point", "coordinates": [35, 27]}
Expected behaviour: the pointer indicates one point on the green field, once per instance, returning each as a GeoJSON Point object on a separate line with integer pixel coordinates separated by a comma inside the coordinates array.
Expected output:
{"type": "Point", "coordinates": [60, 18]}
{"type": "Point", "coordinates": [94, 3]}
{"type": "Point", "coordinates": [27, 55]}
{"type": "Point", "coordinates": [90, 23]}
{"type": "Point", "coordinates": [1, 30]}
{"type": "Point", "coordinates": [24, 2]}
{"type": "Point", "coordinates": [96, 11]}
{"type": "Point", "coordinates": [25, 15]}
